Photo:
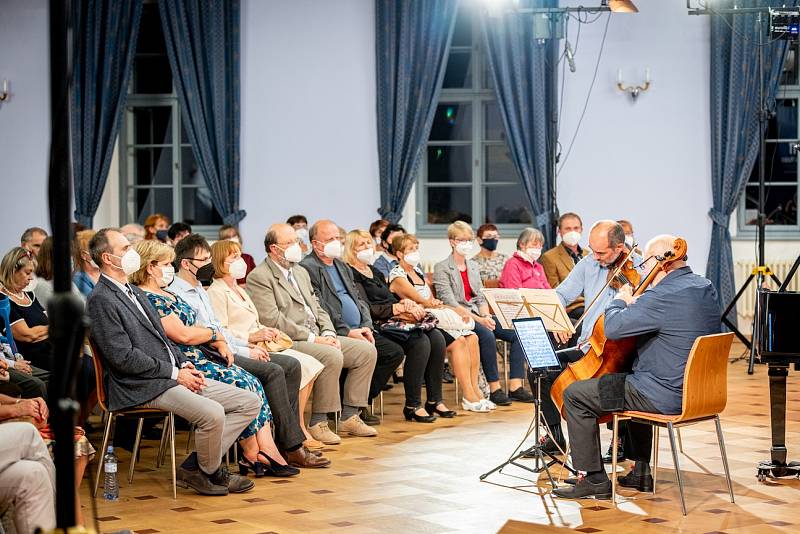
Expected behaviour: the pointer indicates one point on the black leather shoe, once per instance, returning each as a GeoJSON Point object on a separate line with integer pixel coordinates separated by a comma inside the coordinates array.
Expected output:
{"type": "Point", "coordinates": [620, 453]}
{"type": "Point", "coordinates": [447, 375]}
{"type": "Point", "coordinates": [585, 490]}
{"type": "Point", "coordinates": [553, 446]}
{"type": "Point", "coordinates": [274, 469]}
{"type": "Point", "coordinates": [411, 415]}
{"type": "Point", "coordinates": [368, 418]}
{"type": "Point", "coordinates": [638, 482]}
{"type": "Point", "coordinates": [433, 409]}
{"type": "Point", "coordinates": [500, 398]}
{"type": "Point", "coordinates": [520, 395]}
{"type": "Point", "coordinates": [199, 482]}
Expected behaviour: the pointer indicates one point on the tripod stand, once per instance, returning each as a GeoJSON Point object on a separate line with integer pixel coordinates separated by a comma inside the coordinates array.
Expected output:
{"type": "Point", "coordinates": [537, 450]}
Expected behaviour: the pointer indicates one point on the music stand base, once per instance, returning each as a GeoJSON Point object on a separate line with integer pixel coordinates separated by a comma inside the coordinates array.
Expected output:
{"type": "Point", "coordinates": [777, 470]}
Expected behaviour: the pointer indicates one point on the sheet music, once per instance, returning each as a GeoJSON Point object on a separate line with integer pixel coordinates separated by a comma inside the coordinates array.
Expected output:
{"type": "Point", "coordinates": [510, 304]}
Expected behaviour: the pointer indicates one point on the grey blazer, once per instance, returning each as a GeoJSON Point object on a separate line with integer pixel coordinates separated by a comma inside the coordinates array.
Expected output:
{"type": "Point", "coordinates": [138, 367]}
{"type": "Point", "coordinates": [323, 286]}
{"type": "Point", "coordinates": [450, 288]}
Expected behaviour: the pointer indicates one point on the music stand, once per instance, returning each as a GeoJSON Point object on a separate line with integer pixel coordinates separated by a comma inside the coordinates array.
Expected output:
{"type": "Point", "coordinates": [541, 357]}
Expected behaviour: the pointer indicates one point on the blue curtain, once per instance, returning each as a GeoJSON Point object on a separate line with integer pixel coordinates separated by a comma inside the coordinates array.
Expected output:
{"type": "Point", "coordinates": [104, 43]}
{"type": "Point", "coordinates": [519, 68]}
{"type": "Point", "coordinates": [202, 38]}
{"type": "Point", "coordinates": [411, 44]}
{"type": "Point", "coordinates": [734, 125]}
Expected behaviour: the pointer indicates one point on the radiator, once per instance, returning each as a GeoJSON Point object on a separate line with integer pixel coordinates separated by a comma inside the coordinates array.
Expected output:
{"type": "Point", "coordinates": [746, 304]}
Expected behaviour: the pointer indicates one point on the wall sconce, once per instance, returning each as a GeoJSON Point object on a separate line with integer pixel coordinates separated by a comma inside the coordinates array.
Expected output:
{"type": "Point", "coordinates": [633, 90]}
{"type": "Point", "coordinates": [4, 94]}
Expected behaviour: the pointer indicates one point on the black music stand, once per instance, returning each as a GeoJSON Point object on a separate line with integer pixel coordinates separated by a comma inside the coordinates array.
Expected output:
{"type": "Point", "coordinates": [541, 356]}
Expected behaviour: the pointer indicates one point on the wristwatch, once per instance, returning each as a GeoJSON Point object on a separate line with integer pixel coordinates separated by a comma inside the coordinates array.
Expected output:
{"type": "Point", "coordinates": [213, 333]}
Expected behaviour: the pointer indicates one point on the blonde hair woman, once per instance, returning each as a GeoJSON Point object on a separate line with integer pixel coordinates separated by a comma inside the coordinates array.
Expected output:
{"type": "Point", "coordinates": [407, 281]}
{"type": "Point", "coordinates": [260, 454]}
{"type": "Point", "coordinates": [236, 312]}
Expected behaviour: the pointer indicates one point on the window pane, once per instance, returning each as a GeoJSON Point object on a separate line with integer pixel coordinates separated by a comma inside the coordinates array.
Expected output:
{"type": "Point", "coordinates": [151, 36]}
{"type": "Point", "coordinates": [507, 204]}
{"type": "Point", "coordinates": [458, 74]}
{"type": "Point", "coordinates": [190, 174]}
{"type": "Point", "coordinates": [462, 32]}
{"type": "Point", "coordinates": [789, 74]}
{"type": "Point", "coordinates": [784, 124]}
{"type": "Point", "coordinates": [152, 166]}
{"type": "Point", "coordinates": [493, 123]}
{"type": "Point", "coordinates": [198, 208]}
{"type": "Point", "coordinates": [499, 166]}
{"type": "Point", "coordinates": [151, 70]}
{"type": "Point", "coordinates": [452, 122]}
{"type": "Point", "coordinates": [781, 164]}
{"type": "Point", "coordinates": [780, 205]}
{"type": "Point", "coordinates": [449, 204]}
{"type": "Point", "coordinates": [449, 164]}
{"type": "Point", "coordinates": [152, 125]}
{"type": "Point", "coordinates": [144, 202]}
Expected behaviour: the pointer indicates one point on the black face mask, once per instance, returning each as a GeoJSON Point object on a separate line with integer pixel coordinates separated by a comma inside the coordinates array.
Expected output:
{"type": "Point", "coordinates": [490, 244]}
{"type": "Point", "coordinates": [162, 236]}
{"type": "Point", "coordinates": [205, 274]}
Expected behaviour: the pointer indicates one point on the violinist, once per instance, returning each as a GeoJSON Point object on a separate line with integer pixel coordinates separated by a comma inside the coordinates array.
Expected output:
{"type": "Point", "coordinates": [676, 308]}
{"type": "Point", "coordinates": [589, 278]}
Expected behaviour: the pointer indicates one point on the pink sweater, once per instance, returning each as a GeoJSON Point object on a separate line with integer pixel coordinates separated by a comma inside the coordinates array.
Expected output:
{"type": "Point", "coordinates": [519, 272]}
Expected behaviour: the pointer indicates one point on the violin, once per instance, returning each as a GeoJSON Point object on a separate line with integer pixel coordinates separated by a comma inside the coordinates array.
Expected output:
{"type": "Point", "coordinates": [607, 356]}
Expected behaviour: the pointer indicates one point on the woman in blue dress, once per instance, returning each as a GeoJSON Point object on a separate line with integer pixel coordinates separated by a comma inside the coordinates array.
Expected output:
{"type": "Point", "coordinates": [260, 454]}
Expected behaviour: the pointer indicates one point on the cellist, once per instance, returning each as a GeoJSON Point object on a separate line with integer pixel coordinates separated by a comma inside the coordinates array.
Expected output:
{"type": "Point", "coordinates": [676, 308]}
{"type": "Point", "coordinates": [589, 278]}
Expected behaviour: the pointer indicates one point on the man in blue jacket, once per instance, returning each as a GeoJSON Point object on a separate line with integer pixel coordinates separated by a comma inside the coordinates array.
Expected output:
{"type": "Point", "coordinates": [678, 307]}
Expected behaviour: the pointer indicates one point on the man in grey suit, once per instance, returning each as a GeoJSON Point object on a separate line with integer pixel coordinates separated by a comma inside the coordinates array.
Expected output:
{"type": "Point", "coordinates": [678, 307]}
{"type": "Point", "coordinates": [285, 299]}
{"type": "Point", "coordinates": [333, 283]}
{"type": "Point", "coordinates": [144, 368]}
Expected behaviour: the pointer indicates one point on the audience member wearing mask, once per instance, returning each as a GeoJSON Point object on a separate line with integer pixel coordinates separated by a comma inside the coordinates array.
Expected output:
{"type": "Point", "coordinates": [424, 349]}
{"type": "Point", "coordinates": [559, 261]}
{"type": "Point", "coordinates": [86, 273]}
{"type": "Point", "coordinates": [630, 239]}
{"type": "Point", "coordinates": [238, 315]}
{"type": "Point", "coordinates": [231, 233]}
{"type": "Point", "coordinates": [178, 231]}
{"type": "Point", "coordinates": [300, 225]}
{"type": "Point", "coordinates": [155, 274]}
{"type": "Point", "coordinates": [156, 227]}
{"type": "Point", "coordinates": [44, 274]}
{"type": "Point", "coordinates": [285, 299]}
{"type": "Point", "coordinates": [490, 262]}
{"type": "Point", "coordinates": [333, 284]}
{"type": "Point", "coordinates": [407, 281]}
{"type": "Point", "coordinates": [375, 231]}
{"type": "Point", "coordinates": [32, 239]}
{"type": "Point", "coordinates": [388, 261]}
{"type": "Point", "coordinates": [458, 284]}
{"type": "Point", "coordinates": [523, 268]}
{"type": "Point", "coordinates": [133, 232]}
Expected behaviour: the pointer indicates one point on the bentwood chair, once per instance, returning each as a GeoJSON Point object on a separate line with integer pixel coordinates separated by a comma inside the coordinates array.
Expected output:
{"type": "Point", "coordinates": [705, 394]}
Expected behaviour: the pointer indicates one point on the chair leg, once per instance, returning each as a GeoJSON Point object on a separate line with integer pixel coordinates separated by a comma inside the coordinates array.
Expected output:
{"type": "Point", "coordinates": [671, 431]}
{"type": "Point", "coordinates": [455, 383]}
{"type": "Point", "coordinates": [680, 440]}
{"type": "Point", "coordinates": [614, 462]}
{"type": "Point", "coordinates": [724, 455]}
{"type": "Point", "coordinates": [657, 433]}
{"type": "Point", "coordinates": [171, 422]}
{"type": "Point", "coordinates": [162, 444]}
{"type": "Point", "coordinates": [100, 466]}
{"type": "Point", "coordinates": [381, 406]}
{"type": "Point", "coordinates": [189, 439]}
{"type": "Point", "coordinates": [135, 449]}
{"type": "Point", "coordinates": [505, 364]}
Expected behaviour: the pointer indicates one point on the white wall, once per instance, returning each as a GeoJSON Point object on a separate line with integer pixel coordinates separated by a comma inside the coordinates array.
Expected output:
{"type": "Point", "coordinates": [24, 118]}
{"type": "Point", "coordinates": [308, 114]}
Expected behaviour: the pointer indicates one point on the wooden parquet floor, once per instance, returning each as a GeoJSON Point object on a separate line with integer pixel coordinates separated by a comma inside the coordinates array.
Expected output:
{"type": "Point", "coordinates": [424, 478]}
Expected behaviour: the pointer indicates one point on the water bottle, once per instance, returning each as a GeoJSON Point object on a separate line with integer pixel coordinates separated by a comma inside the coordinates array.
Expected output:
{"type": "Point", "coordinates": [110, 484]}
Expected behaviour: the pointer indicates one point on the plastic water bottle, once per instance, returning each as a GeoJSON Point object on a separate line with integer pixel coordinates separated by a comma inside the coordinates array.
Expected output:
{"type": "Point", "coordinates": [110, 484]}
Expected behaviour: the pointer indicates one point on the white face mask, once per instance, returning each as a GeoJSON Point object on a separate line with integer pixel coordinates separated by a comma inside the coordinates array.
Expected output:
{"type": "Point", "coordinates": [533, 253]}
{"type": "Point", "coordinates": [31, 285]}
{"type": "Point", "coordinates": [238, 269]}
{"type": "Point", "coordinates": [235, 239]}
{"type": "Point", "coordinates": [167, 275]}
{"type": "Point", "coordinates": [413, 258]}
{"type": "Point", "coordinates": [571, 238]}
{"type": "Point", "coordinates": [629, 241]}
{"type": "Point", "coordinates": [377, 241]}
{"type": "Point", "coordinates": [293, 254]}
{"type": "Point", "coordinates": [302, 233]}
{"type": "Point", "coordinates": [130, 262]}
{"type": "Point", "coordinates": [333, 250]}
{"type": "Point", "coordinates": [366, 256]}
{"type": "Point", "coordinates": [465, 248]}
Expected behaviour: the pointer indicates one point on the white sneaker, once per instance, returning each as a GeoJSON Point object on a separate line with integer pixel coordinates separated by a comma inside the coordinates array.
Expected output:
{"type": "Point", "coordinates": [474, 406]}
{"type": "Point", "coordinates": [489, 404]}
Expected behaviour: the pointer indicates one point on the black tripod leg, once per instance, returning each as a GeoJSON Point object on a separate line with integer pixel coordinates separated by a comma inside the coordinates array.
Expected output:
{"type": "Point", "coordinates": [790, 275]}
{"type": "Point", "coordinates": [727, 322]}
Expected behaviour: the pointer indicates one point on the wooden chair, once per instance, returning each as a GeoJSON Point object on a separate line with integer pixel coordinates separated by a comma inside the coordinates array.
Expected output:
{"type": "Point", "coordinates": [705, 394]}
{"type": "Point", "coordinates": [168, 434]}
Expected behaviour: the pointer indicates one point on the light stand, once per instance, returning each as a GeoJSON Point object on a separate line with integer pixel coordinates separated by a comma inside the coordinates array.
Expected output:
{"type": "Point", "coordinates": [537, 450]}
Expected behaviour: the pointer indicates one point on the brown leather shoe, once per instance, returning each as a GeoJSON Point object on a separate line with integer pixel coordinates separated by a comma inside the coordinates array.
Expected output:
{"type": "Point", "coordinates": [303, 457]}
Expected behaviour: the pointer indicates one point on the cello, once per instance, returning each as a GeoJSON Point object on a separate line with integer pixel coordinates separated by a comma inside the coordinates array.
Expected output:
{"type": "Point", "coordinates": [607, 356]}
